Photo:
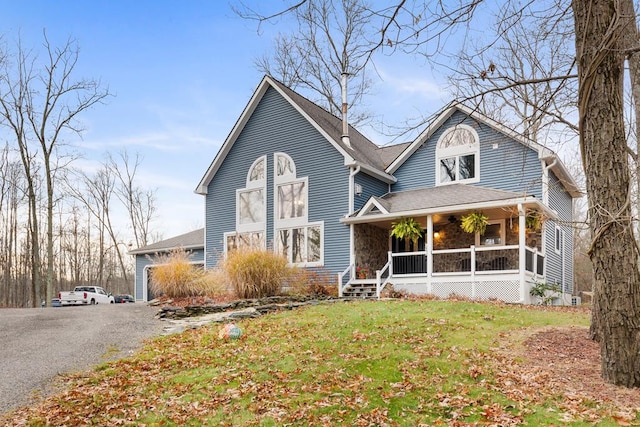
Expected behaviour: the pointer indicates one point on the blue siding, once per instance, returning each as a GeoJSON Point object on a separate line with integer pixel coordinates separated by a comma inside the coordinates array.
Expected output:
{"type": "Point", "coordinates": [142, 261]}
{"type": "Point", "coordinates": [562, 203]}
{"type": "Point", "coordinates": [370, 187]}
{"type": "Point", "coordinates": [275, 126]}
{"type": "Point", "coordinates": [145, 260]}
{"type": "Point", "coordinates": [509, 166]}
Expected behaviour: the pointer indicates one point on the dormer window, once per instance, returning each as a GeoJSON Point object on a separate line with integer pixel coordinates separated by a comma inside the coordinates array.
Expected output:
{"type": "Point", "coordinates": [458, 156]}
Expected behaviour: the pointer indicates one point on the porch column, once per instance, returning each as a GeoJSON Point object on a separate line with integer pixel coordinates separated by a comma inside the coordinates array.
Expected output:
{"type": "Point", "coordinates": [429, 246]}
{"type": "Point", "coordinates": [522, 254]}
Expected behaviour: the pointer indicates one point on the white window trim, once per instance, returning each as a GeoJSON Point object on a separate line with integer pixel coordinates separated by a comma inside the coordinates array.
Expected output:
{"type": "Point", "coordinates": [280, 179]}
{"type": "Point", "coordinates": [503, 233]}
{"type": "Point", "coordinates": [235, 233]}
{"type": "Point", "coordinates": [290, 222]}
{"type": "Point", "coordinates": [256, 226]}
{"type": "Point", "coordinates": [557, 239]}
{"type": "Point", "coordinates": [457, 152]}
{"type": "Point", "coordinates": [319, 263]}
{"type": "Point", "coordinates": [259, 183]}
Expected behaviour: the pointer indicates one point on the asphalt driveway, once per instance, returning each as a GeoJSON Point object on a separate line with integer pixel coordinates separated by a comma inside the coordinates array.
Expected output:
{"type": "Point", "coordinates": [37, 344]}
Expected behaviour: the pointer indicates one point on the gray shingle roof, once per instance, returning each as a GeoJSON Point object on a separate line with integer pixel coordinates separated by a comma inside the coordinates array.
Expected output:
{"type": "Point", "coordinates": [191, 240]}
{"type": "Point", "coordinates": [443, 196]}
{"type": "Point", "coordinates": [362, 149]}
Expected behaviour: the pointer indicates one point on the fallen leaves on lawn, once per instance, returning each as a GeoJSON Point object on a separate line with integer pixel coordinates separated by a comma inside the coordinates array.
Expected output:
{"type": "Point", "coordinates": [182, 379]}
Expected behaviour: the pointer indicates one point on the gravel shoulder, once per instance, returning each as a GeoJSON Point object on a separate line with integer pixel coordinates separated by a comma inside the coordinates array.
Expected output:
{"type": "Point", "coordinates": [38, 344]}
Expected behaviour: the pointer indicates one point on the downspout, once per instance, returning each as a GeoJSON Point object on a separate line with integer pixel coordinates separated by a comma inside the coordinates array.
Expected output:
{"type": "Point", "coordinates": [545, 181]}
{"type": "Point", "coordinates": [352, 246]}
{"type": "Point", "coordinates": [352, 183]}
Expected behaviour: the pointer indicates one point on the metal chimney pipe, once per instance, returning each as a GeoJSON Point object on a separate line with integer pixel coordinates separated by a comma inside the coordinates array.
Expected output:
{"type": "Point", "coordinates": [345, 122]}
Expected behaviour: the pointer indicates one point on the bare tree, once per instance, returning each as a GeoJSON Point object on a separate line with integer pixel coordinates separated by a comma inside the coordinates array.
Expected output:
{"type": "Point", "coordinates": [526, 79]}
{"type": "Point", "coordinates": [332, 38]}
{"type": "Point", "coordinates": [41, 103]}
{"type": "Point", "coordinates": [96, 195]}
{"type": "Point", "coordinates": [138, 202]}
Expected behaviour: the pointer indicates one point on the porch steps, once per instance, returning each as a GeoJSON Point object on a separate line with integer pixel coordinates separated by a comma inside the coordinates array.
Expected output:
{"type": "Point", "coordinates": [363, 289]}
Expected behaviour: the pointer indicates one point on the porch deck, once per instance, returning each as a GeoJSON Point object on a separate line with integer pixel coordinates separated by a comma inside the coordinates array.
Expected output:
{"type": "Point", "coordinates": [476, 272]}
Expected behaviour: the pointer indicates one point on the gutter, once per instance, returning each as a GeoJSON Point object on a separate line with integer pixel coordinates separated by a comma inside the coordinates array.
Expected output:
{"type": "Point", "coordinates": [385, 177]}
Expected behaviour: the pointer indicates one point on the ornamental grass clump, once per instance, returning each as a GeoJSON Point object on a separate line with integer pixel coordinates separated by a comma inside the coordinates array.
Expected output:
{"type": "Point", "coordinates": [174, 276]}
{"type": "Point", "coordinates": [256, 273]}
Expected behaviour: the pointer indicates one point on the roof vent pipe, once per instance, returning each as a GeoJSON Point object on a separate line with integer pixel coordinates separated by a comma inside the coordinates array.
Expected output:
{"type": "Point", "coordinates": [345, 123]}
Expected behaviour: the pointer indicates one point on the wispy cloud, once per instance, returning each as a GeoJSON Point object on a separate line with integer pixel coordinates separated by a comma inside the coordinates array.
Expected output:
{"type": "Point", "coordinates": [422, 88]}
{"type": "Point", "coordinates": [164, 142]}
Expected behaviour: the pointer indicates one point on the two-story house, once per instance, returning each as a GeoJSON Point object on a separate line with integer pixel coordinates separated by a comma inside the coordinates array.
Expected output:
{"type": "Point", "coordinates": [287, 178]}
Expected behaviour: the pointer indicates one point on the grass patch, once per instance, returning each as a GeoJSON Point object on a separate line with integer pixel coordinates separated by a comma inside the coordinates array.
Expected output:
{"type": "Point", "coordinates": [361, 363]}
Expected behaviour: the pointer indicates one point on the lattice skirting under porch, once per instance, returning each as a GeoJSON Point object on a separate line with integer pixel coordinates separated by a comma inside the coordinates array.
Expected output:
{"type": "Point", "coordinates": [504, 290]}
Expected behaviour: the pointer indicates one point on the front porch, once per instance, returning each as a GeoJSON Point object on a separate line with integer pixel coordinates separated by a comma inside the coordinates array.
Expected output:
{"type": "Point", "coordinates": [503, 263]}
{"type": "Point", "coordinates": [477, 273]}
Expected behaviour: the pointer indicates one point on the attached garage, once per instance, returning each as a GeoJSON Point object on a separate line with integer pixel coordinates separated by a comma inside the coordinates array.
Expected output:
{"type": "Point", "coordinates": [149, 256]}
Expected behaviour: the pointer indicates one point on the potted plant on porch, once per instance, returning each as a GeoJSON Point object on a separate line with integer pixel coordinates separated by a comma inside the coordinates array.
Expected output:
{"type": "Point", "coordinates": [407, 228]}
{"type": "Point", "coordinates": [474, 222]}
{"type": "Point", "coordinates": [534, 221]}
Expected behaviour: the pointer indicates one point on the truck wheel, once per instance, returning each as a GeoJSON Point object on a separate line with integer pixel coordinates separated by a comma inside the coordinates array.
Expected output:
{"type": "Point", "coordinates": [93, 302]}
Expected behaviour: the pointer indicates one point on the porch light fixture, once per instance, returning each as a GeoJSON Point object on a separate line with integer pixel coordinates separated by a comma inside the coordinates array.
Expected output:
{"type": "Point", "coordinates": [436, 235]}
{"type": "Point", "coordinates": [452, 219]}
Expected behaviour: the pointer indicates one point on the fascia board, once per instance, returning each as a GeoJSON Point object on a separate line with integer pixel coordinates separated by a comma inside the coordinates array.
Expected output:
{"type": "Point", "coordinates": [165, 249]}
{"type": "Point", "coordinates": [337, 146]}
{"type": "Point", "coordinates": [376, 173]}
{"type": "Point", "coordinates": [561, 172]}
{"type": "Point", "coordinates": [421, 139]}
{"type": "Point", "coordinates": [452, 209]}
{"type": "Point", "coordinates": [543, 152]}
{"type": "Point", "coordinates": [368, 207]}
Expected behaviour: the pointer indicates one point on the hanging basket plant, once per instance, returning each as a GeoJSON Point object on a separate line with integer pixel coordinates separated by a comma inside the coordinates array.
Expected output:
{"type": "Point", "coordinates": [533, 221]}
{"type": "Point", "coordinates": [406, 228]}
{"type": "Point", "coordinates": [474, 222]}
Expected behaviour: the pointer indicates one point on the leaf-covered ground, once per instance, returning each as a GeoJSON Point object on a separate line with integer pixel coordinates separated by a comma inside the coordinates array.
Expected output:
{"type": "Point", "coordinates": [365, 364]}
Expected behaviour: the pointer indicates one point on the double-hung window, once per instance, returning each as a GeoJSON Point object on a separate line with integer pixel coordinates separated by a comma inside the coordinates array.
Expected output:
{"type": "Point", "coordinates": [458, 156]}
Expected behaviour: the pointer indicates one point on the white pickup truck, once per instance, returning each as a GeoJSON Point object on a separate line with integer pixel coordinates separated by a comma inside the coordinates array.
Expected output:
{"type": "Point", "coordinates": [85, 295]}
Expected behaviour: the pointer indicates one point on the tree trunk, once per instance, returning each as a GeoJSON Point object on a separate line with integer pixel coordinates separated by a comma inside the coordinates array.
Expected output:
{"type": "Point", "coordinates": [613, 251]}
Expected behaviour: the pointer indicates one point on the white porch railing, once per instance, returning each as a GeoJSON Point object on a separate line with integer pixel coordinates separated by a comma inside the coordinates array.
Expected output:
{"type": "Point", "coordinates": [448, 264]}
{"type": "Point", "coordinates": [465, 261]}
{"type": "Point", "coordinates": [383, 279]}
{"type": "Point", "coordinates": [351, 271]}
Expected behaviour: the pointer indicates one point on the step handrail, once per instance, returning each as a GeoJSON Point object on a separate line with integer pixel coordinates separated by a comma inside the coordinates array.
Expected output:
{"type": "Point", "coordinates": [379, 284]}
{"type": "Point", "coordinates": [350, 270]}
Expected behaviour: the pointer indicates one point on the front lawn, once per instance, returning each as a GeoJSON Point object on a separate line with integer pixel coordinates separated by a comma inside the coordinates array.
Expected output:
{"type": "Point", "coordinates": [358, 363]}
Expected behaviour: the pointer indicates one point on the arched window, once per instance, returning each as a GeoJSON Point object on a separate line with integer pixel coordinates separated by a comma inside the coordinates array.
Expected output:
{"type": "Point", "coordinates": [284, 167]}
{"type": "Point", "coordinates": [458, 155]}
{"type": "Point", "coordinates": [256, 172]}
{"type": "Point", "coordinates": [300, 241]}
{"type": "Point", "coordinates": [251, 209]}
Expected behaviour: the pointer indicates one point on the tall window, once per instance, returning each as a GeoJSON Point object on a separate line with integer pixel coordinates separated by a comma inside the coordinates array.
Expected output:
{"type": "Point", "coordinates": [250, 210]}
{"type": "Point", "coordinates": [298, 240]}
{"type": "Point", "coordinates": [458, 155]}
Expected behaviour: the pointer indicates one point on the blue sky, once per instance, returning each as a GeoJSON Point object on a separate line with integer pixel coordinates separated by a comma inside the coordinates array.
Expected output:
{"type": "Point", "coordinates": [181, 73]}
